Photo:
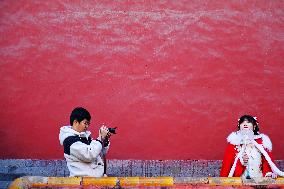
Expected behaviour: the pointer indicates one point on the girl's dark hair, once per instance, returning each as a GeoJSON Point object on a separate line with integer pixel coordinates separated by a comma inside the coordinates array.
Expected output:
{"type": "Point", "coordinates": [79, 114]}
{"type": "Point", "coordinates": [250, 119]}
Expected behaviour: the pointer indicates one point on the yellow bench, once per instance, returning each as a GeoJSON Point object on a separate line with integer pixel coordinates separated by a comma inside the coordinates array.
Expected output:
{"type": "Point", "coordinates": [58, 182]}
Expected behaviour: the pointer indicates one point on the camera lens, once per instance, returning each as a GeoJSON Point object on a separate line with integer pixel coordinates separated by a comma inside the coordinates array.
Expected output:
{"type": "Point", "coordinates": [112, 130]}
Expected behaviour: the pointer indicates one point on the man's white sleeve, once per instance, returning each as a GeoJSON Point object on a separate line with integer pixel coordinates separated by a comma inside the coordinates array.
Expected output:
{"type": "Point", "coordinates": [84, 152]}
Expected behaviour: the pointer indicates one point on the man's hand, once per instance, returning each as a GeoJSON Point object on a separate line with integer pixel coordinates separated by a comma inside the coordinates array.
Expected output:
{"type": "Point", "coordinates": [103, 132]}
{"type": "Point", "coordinates": [108, 135]}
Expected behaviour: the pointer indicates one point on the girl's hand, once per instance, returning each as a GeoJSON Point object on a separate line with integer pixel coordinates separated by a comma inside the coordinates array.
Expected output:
{"type": "Point", "coordinates": [245, 158]}
{"type": "Point", "coordinates": [272, 175]}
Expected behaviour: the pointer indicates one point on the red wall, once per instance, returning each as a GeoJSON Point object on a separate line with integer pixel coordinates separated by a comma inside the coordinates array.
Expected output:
{"type": "Point", "coordinates": [173, 76]}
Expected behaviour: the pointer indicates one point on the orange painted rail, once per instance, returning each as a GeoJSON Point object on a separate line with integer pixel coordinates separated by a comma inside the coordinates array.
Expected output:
{"type": "Point", "coordinates": [140, 182]}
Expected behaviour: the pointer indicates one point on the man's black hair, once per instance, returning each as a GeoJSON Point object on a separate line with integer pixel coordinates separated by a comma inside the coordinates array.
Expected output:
{"type": "Point", "coordinates": [79, 114]}
{"type": "Point", "coordinates": [250, 119]}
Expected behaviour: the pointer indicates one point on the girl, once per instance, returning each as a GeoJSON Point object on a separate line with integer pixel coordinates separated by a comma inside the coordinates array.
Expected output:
{"type": "Point", "coordinates": [248, 153]}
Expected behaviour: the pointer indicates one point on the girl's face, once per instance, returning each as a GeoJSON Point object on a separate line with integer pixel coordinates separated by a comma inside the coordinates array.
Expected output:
{"type": "Point", "coordinates": [246, 125]}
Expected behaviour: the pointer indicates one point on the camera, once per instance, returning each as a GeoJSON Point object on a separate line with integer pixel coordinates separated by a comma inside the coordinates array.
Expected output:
{"type": "Point", "coordinates": [112, 130]}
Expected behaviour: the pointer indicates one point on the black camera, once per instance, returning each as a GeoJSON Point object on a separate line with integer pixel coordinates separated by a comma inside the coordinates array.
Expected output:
{"type": "Point", "coordinates": [112, 130]}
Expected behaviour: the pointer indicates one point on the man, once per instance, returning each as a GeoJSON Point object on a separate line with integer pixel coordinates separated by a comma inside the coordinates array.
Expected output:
{"type": "Point", "coordinates": [82, 153]}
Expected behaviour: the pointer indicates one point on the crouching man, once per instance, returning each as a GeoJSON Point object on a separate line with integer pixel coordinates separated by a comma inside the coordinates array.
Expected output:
{"type": "Point", "coordinates": [82, 153]}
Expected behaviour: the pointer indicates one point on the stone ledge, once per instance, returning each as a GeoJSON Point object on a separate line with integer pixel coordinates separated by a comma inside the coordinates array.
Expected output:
{"type": "Point", "coordinates": [14, 168]}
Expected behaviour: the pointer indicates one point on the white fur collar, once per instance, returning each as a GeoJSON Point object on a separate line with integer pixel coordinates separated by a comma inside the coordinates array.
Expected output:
{"type": "Point", "coordinates": [235, 138]}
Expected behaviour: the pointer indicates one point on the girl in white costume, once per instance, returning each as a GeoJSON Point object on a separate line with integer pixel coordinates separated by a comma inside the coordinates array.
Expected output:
{"type": "Point", "coordinates": [248, 153]}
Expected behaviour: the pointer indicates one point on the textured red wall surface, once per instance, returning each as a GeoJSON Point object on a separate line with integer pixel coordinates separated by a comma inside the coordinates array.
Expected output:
{"type": "Point", "coordinates": [173, 76]}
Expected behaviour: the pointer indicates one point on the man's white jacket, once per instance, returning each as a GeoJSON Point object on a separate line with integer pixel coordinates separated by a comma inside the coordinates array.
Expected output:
{"type": "Point", "coordinates": [82, 153]}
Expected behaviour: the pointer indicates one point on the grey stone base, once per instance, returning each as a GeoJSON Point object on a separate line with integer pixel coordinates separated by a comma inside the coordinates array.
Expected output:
{"type": "Point", "coordinates": [11, 169]}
